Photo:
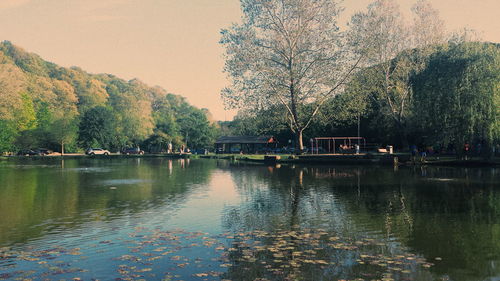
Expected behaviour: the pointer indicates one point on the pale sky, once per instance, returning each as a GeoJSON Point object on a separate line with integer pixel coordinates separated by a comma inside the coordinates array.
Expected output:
{"type": "Point", "coordinates": [170, 43]}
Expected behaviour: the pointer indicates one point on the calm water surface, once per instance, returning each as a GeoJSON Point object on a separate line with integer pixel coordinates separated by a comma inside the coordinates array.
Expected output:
{"type": "Point", "coordinates": [161, 219]}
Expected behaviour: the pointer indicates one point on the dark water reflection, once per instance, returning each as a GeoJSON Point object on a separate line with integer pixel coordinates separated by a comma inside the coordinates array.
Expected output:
{"type": "Point", "coordinates": [204, 219]}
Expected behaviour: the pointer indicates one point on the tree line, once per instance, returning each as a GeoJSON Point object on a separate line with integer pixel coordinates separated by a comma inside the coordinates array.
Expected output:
{"type": "Point", "coordinates": [68, 109]}
{"type": "Point", "coordinates": [295, 73]}
{"type": "Point", "coordinates": [455, 99]}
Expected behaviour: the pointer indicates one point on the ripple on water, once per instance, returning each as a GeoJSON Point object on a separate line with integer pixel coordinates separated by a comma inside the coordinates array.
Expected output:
{"type": "Point", "coordinates": [115, 182]}
{"type": "Point", "coordinates": [441, 179]}
{"type": "Point", "coordinates": [89, 170]}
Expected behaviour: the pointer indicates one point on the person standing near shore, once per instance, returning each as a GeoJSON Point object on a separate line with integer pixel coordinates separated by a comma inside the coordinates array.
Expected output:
{"type": "Point", "coordinates": [466, 149]}
{"type": "Point", "coordinates": [423, 155]}
{"type": "Point", "coordinates": [414, 151]}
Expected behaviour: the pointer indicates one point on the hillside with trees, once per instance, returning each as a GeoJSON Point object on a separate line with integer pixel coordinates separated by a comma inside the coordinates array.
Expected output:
{"type": "Point", "coordinates": [68, 109]}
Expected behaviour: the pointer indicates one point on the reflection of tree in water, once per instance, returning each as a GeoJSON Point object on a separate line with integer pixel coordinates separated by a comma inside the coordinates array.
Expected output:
{"type": "Point", "coordinates": [445, 214]}
{"type": "Point", "coordinates": [308, 230]}
{"type": "Point", "coordinates": [34, 192]}
{"type": "Point", "coordinates": [282, 205]}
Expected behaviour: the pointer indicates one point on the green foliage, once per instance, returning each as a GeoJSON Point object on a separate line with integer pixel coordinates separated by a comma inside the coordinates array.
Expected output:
{"type": "Point", "coordinates": [26, 116]}
{"type": "Point", "coordinates": [97, 127]}
{"type": "Point", "coordinates": [175, 118]}
{"type": "Point", "coordinates": [42, 104]}
{"type": "Point", "coordinates": [64, 131]}
{"type": "Point", "coordinates": [8, 135]}
{"type": "Point", "coordinates": [457, 96]}
{"type": "Point", "coordinates": [30, 63]}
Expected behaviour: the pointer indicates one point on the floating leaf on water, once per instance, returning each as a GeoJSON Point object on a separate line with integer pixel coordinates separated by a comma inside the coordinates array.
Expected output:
{"type": "Point", "coordinates": [154, 258]}
{"type": "Point", "coordinates": [143, 270]}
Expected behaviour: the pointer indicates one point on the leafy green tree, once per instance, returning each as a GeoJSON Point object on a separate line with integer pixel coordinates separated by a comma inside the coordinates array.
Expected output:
{"type": "Point", "coordinates": [64, 131]}
{"type": "Point", "coordinates": [132, 108]}
{"type": "Point", "coordinates": [25, 122]}
{"type": "Point", "coordinates": [264, 122]}
{"type": "Point", "coordinates": [97, 127]}
{"type": "Point", "coordinates": [457, 97]}
{"type": "Point", "coordinates": [177, 118]}
{"type": "Point", "coordinates": [8, 134]}
{"type": "Point", "coordinates": [196, 129]}
{"type": "Point", "coordinates": [26, 116]}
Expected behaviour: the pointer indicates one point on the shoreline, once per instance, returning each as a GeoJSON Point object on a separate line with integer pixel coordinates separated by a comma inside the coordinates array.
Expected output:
{"type": "Point", "coordinates": [397, 159]}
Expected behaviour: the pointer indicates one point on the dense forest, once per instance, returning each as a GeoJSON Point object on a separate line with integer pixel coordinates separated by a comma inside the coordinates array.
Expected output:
{"type": "Point", "coordinates": [45, 105]}
{"type": "Point", "coordinates": [452, 98]}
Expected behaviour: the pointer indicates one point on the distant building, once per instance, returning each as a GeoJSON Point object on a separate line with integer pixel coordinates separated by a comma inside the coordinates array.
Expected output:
{"type": "Point", "coordinates": [245, 144]}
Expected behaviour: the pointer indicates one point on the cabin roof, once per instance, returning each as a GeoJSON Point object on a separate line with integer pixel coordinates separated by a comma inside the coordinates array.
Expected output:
{"type": "Point", "coordinates": [245, 139]}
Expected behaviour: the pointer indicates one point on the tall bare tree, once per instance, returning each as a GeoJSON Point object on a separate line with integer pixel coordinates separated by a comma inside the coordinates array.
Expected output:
{"type": "Point", "coordinates": [387, 40]}
{"type": "Point", "coordinates": [289, 53]}
{"type": "Point", "coordinates": [428, 27]}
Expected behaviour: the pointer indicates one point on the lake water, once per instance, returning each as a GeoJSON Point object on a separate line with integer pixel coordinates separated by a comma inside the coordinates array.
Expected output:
{"type": "Point", "coordinates": [198, 219]}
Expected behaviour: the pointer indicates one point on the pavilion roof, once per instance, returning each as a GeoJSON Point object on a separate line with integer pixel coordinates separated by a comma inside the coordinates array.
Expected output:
{"type": "Point", "coordinates": [245, 139]}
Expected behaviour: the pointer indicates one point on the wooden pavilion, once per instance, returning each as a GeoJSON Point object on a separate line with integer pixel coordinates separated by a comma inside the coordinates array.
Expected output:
{"type": "Point", "coordinates": [245, 144]}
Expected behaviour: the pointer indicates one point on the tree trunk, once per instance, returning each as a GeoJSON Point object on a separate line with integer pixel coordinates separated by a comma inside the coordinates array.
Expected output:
{"type": "Point", "coordinates": [62, 148]}
{"type": "Point", "coordinates": [404, 141]}
{"type": "Point", "coordinates": [299, 143]}
{"type": "Point", "coordinates": [403, 136]}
